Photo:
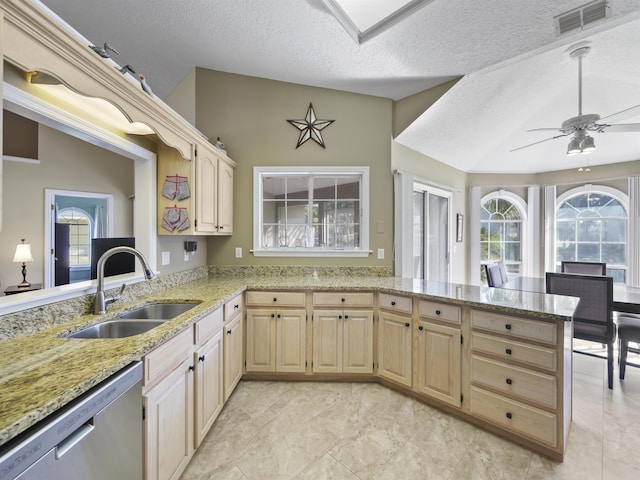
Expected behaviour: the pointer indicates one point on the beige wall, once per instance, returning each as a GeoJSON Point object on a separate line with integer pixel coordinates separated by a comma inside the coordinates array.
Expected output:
{"type": "Point", "coordinates": [66, 163]}
{"type": "Point", "coordinates": [250, 116]}
{"type": "Point", "coordinates": [183, 98]}
{"type": "Point", "coordinates": [440, 175]}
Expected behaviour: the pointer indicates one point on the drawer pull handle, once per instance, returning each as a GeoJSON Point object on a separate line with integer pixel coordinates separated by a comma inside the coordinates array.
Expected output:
{"type": "Point", "coordinates": [407, 324]}
{"type": "Point", "coordinates": [509, 415]}
{"type": "Point", "coordinates": [236, 306]}
{"type": "Point", "coordinates": [508, 350]}
{"type": "Point", "coordinates": [393, 304]}
{"type": "Point", "coordinates": [228, 332]}
{"type": "Point", "coordinates": [192, 368]}
{"type": "Point", "coordinates": [420, 328]}
{"type": "Point", "coordinates": [509, 381]}
{"type": "Point", "coordinates": [437, 312]}
{"type": "Point", "coordinates": [508, 326]}
{"type": "Point", "coordinates": [201, 358]}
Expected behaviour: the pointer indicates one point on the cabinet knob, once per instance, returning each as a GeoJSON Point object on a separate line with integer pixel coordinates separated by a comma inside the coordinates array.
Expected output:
{"type": "Point", "coordinates": [201, 358]}
{"type": "Point", "coordinates": [228, 332]}
{"type": "Point", "coordinates": [236, 306]}
{"type": "Point", "coordinates": [437, 312]}
{"type": "Point", "coordinates": [220, 227]}
{"type": "Point", "coordinates": [275, 299]}
{"type": "Point", "coordinates": [509, 381]}
{"type": "Point", "coordinates": [393, 304]}
{"type": "Point", "coordinates": [343, 300]}
{"type": "Point", "coordinates": [279, 315]}
{"type": "Point", "coordinates": [346, 316]}
{"type": "Point", "coordinates": [420, 328]}
{"type": "Point", "coordinates": [273, 315]}
{"type": "Point", "coordinates": [509, 416]}
{"type": "Point", "coordinates": [508, 326]}
{"type": "Point", "coordinates": [192, 368]}
{"type": "Point", "coordinates": [407, 324]}
{"type": "Point", "coordinates": [508, 351]}
{"type": "Point", "coordinates": [339, 317]}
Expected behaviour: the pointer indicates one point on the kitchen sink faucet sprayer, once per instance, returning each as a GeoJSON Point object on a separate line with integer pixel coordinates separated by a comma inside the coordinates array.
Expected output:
{"type": "Point", "coordinates": [100, 302]}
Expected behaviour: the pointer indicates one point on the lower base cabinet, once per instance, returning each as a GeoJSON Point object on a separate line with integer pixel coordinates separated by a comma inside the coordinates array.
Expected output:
{"type": "Point", "coordinates": [182, 396]}
{"type": "Point", "coordinates": [395, 348]}
{"type": "Point", "coordinates": [233, 355]}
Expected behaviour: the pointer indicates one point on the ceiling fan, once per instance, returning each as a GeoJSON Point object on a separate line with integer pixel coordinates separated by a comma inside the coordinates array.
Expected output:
{"type": "Point", "coordinates": [581, 125]}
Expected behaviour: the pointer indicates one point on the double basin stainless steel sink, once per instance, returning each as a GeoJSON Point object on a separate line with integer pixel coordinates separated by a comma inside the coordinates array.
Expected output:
{"type": "Point", "coordinates": [135, 322]}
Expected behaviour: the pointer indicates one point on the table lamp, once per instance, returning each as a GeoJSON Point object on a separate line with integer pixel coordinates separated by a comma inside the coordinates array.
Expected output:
{"type": "Point", "coordinates": [23, 254]}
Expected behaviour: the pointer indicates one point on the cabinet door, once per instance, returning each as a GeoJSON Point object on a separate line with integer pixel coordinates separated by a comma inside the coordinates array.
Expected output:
{"type": "Point", "coordinates": [225, 198]}
{"type": "Point", "coordinates": [233, 355]}
{"type": "Point", "coordinates": [394, 347]}
{"type": "Point", "coordinates": [291, 340]}
{"type": "Point", "coordinates": [168, 424]}
{"type": "Point", "coordinates": [327, 341]}
{"type": "Point", "coordinates": [261, 340]}
{"type": "Point", "coordinates": [439, 362]}
{"type": "Point", "coordinates": [208, 387]}
{"type": "Point", "coordinates": [357, 356]}
{"type": "Point", "coordinates": [206, 191]}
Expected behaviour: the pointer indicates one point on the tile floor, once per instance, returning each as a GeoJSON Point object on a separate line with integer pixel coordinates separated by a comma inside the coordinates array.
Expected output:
{"type": "Point", "coordinates": [279, 430]}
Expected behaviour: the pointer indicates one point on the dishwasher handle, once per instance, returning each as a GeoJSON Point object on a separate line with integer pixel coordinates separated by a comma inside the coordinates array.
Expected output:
{"type": "Point", "coordinates": [76, 437]}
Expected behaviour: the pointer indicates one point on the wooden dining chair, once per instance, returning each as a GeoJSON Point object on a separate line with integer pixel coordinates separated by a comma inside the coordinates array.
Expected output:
{"type": "Point", "coordinates": [593, 318]}
{"type": "Point", "coordinates": [584, 268]}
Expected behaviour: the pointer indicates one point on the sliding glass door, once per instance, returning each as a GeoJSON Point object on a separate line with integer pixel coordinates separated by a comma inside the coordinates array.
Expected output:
{"type": "Point", "coordinates": [430, 234]}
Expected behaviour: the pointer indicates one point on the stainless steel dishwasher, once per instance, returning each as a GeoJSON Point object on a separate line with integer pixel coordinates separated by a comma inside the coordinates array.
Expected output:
{"type": "Point", "coordinates": [96, 437]}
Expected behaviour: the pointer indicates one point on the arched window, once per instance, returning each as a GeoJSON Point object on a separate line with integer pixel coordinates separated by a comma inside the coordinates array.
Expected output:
{"type": "Point", "coordinates": [79, 235]}
{"type": "Point", "coordinates": [502, 220]}
{"type": "Point", "coordinates": [591, 226]}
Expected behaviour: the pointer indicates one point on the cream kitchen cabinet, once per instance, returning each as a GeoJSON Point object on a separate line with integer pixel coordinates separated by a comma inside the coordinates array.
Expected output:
{"type": "Point", "coordinates": [182, 396]}
{"type": "Point", "coordinates": [516, 376]}
{"type": "Point", "coordinates": [439, 352]}
{"type": "Point", "coordinates": [342, 337]}
{"type": "Point", "coordinates": [233, 344]}
{"type": "Point", "coordinates": [195, 197]}
{"type": "Point", "coordinates": [395, 339]}
{"type": "Point", "coordinates": [276, 334]}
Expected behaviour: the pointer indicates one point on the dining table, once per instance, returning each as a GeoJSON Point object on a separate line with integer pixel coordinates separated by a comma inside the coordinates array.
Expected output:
{"type": "Point", "coordinates": [626, 298]}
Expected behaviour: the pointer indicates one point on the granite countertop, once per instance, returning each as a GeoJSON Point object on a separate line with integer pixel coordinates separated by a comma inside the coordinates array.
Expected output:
{"type": "Point", "coordinates": [42, 371]}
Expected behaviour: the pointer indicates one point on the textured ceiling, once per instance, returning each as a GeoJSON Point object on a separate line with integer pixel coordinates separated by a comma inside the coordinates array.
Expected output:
{"type": "Point", "coordinates": [516, 73]}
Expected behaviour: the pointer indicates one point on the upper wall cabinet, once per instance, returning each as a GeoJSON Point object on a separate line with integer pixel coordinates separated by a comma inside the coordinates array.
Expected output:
{"type": "Point", "coordinates": [195, 197]}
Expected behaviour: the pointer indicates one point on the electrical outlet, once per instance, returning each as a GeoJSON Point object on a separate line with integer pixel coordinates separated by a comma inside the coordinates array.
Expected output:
{"type": "Point", "coordinates": [381, 254]}
{"type": "Point", "coordinates": [166, 258]}
{"type": "Point", "coordinates": [238, 252]}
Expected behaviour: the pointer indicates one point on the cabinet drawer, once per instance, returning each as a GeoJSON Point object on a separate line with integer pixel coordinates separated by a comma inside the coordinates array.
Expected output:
{"type": "Point", "coordinates": [440, 311]}
{"type": "Point", "coordinates": [342, 299]}
{"type": "Point", "coordinates": [511, 350]}
{"type": "Point", "coordinates": [276, 299]}
{"type": "Point", "coordinates": [395, 303]}
{"type": "Point", "coordinates": [526, 384]}
{"type": "Point", "coordinates": [167, 356]}
{"type": "Point", "coordinates": [207, 327]}
{"type": "Point", "coordinates": [538, 331]}
{"type": "Point", "coordinates": [233, 307]}
{"type": "Point", "coordinates": [512, 415]}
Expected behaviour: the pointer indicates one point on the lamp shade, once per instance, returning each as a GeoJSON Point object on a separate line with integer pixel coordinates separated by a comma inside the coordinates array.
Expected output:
{"type": "Point", "coordinates": [574, 146]}
{"type": "Point", "coordinates": [23, 253]}
{"type": "Point", "coordinates": [588, 145]}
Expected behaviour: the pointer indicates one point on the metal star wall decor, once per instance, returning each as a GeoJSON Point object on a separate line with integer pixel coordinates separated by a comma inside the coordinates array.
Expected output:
{"type": "Point", "coordinates": [310, 127]}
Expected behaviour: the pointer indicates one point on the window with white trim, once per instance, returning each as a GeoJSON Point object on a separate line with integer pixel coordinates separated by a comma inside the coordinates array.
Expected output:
{"type": "Point", "coordinates": [591, 226]}
{"type": "Point", "coordinates": [311, 211]}
{"type": "Point", "coordinates": [502, 231]}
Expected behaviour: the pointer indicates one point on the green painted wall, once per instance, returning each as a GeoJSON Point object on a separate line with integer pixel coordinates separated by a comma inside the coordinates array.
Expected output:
{"type": "Point", "coordinates": [250, 116]}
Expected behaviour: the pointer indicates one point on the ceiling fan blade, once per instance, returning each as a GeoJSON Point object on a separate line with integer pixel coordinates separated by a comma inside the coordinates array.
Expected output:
{"type": "Point", "coordinates": [546, 129]}
{"type": "Point", "coordinates": [622, 114]}
{"type": "Point", "coordinates": [623, 127]}
{"type": "Point", "coordinates": [541, 141]}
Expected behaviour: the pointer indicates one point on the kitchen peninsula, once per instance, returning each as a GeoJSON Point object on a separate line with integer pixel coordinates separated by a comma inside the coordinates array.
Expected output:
{"type": "Point", "coordinates": [525, 336]}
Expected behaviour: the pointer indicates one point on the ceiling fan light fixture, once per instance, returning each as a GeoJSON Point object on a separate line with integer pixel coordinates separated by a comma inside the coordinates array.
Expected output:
{"type": "Point", "coordinates": [574, 146]}
{"type": "Point", "coordinates": [587, 145]}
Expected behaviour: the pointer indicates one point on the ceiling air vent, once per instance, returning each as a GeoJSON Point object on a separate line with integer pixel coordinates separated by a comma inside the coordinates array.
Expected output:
{"type": "Point", "coordinates": [580, 17]}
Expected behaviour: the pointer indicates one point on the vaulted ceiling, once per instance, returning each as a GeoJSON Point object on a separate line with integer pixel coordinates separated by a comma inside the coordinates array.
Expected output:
{"type": "Point", "coordinates": [517, 74]}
